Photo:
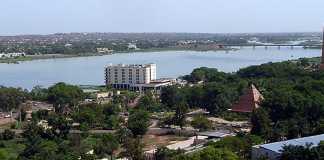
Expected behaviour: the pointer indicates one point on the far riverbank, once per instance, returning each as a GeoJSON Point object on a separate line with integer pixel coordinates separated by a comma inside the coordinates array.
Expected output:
{"type": "Point", "coordinates": [57, 56]}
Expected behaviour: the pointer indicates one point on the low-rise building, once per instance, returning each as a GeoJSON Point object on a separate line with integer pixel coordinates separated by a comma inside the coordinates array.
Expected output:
{"type": "Point", "coordinates": [105, 50]}
{"type": "Point", "coordinates": [12, 55]}
{"type": "Point", "coordinates": [272, 151]}
{"type": "Point", "coordinates": [132, 46]}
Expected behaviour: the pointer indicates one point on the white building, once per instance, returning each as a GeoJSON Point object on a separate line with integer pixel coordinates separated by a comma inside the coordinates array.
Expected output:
{"type": "Point", "coordinates": [122, 76]}
{"type": "Point", "coordinates": [12, 55]}
{"type": "Point", "coordinates": [132, 46]}
{"type": "Point", "coordinates": [104, 50]}
{"type": "Point", "coordinates": [136, 77]}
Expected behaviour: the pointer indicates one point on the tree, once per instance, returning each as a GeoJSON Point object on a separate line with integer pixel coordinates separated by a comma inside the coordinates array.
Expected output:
{"type": "Point", "coordinates": [138, 122]}
{"type": "Point", "coordinates": [39, 93]}
{"type": "Point", "coordinates": [147, 102]}
{"type": "Point", "coordinates": [218, 97]}
{"type": "Point", "coordinates": [12, 98]}
{"type": "Point", "coordinates": [133, 149]}
{"type": "Point", "coordinates": [8, 134]}
{"type": "Point", "coordinates": [304, 62]}
{"type": "Point", "coordinates": [292, 152]}
{"type": "Point", "coordinates": [32, 131]}
{"type": "Point", "coordinates": [201, 122]}
{"type": "Point", "coordinates": [163, 153]}
{"type": "Point", "coordinates": [62, 94]}
{"type": "Point", "coordinates": [106, 146]}
{"type": "Point", "coordinates": [180, 114]}
{"type": "Point", "coordinates": [261, 124]}
{"type": "Point", "coordinates": [40, 149]}
{"type": "Point", "coordinates": [60, 123]}
{"type": "Point", "coordinates": [210, 153]}
{"type": "Point", "coordinates": [240, 144]}
{"type": "Point", "coordinates": [171, 96]}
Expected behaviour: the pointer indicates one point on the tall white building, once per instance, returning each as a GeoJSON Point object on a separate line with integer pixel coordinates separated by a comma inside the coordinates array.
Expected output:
{"type": "Point", "coordinates": [128, 76]}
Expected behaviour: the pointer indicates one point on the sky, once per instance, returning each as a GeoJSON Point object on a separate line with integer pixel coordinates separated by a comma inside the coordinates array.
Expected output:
{"type": "Point", "coordinates": [197, 16]}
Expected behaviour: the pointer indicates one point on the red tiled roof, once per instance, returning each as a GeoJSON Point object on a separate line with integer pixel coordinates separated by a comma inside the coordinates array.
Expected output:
{"type": "Point", "coordinates": [249, 101]}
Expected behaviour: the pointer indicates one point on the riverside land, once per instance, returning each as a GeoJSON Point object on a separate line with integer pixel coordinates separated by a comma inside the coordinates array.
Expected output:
{"type": "Point", "coordinates": [96, 44]}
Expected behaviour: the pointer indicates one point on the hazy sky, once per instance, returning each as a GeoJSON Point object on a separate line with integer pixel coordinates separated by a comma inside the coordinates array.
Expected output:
{"type": "Point", "coordinates": [213, 16]}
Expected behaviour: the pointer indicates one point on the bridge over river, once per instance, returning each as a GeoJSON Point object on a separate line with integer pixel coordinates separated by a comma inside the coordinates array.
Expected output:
{"type": "Point", "coordinates": [266, 46]}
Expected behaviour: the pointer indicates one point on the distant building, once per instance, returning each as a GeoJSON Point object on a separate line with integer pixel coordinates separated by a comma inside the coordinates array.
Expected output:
{"type": "Point", "coordinates": [136, 77]}
{"type": "Point", "coordinates": [68, 45]}
{"type": "Point", "coordinates": [249, 101]}
{"type": "Point", "coordinates": [132, 46]}
{"type": "Point", "coordinates": [104, 50]}
{"type": "Point", "coordinates": [272, 151]}
{"type": "Point", "coordinates": [12, 55]}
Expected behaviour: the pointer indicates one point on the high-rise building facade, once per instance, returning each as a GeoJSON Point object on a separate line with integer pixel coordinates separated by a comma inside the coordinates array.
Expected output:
{"type": "Point", "coordinates": [126, 76]}
{"type": "Point", "coordinates": [322, 61]}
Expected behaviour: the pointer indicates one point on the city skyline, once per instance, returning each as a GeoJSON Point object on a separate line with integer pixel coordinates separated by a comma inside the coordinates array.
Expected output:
{"type": "Point", "coordinates": [191, 16]}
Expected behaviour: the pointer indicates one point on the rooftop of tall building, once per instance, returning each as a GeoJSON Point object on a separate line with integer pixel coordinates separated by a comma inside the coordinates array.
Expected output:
{"type": "Point", "coordinates": [132, 65]}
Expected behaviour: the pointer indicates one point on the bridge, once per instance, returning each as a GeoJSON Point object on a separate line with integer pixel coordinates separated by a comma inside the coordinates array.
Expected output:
{"type": "Point", "coordinates": [270, 45]}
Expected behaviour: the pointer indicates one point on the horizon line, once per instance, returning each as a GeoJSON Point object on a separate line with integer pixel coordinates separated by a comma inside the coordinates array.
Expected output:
{"type": "Point", "coordinates": [221, 33]}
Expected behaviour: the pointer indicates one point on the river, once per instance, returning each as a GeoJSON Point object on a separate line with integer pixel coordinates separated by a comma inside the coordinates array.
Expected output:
{"type": "Point", "coordinates": [90, 70]}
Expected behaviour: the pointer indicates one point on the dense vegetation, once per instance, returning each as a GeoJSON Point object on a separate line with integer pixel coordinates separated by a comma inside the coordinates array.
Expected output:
{"type": "Point", "coordinates": [307, 152]}
{"type": "Point", "coordinates": [293, 107]}
{"type": "Point", "coordinates": [294, 97]}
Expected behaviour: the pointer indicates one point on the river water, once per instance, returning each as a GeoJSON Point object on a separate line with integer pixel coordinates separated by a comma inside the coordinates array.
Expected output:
{"type": "Point", "coordinates": [90, 70]}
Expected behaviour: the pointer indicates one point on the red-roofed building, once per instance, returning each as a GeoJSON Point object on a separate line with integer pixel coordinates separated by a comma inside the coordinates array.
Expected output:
{"type": "Point", "coordinates": [249, 101]}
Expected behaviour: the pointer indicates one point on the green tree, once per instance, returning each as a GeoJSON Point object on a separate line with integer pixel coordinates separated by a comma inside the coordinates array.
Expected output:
{"type": "Point", "coordinates": [12, 98]}
{"type": "Point", "coordinates": [62, 95]}
{"type": "Point", "coordinates": [201, 122]}
{"type": "Point", "coordinates": [261, 124]}
{"type": "Point", "coordinates": [180, 114]}
{"type": "Point", "coordinates": [60, 123]}
{"type": "Point", "coordinates": [39, 93]}
{"type": "Point", "coordinates": [210, 153]}
{"type": "Point", "coordinates": [8, 134]}
{"type": "Point", "coordinates": [163, 153]}
{"type": "Point", "coordinates": [292, 152]}
{"type": "Point", "coordinates": [106, 146]}
{"type": "Point", "coordinates": [138, 122]}
{"type": "Point", "coordinates": [133, 149]}
{"type": "Point", "coordinates": [171, 96]}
